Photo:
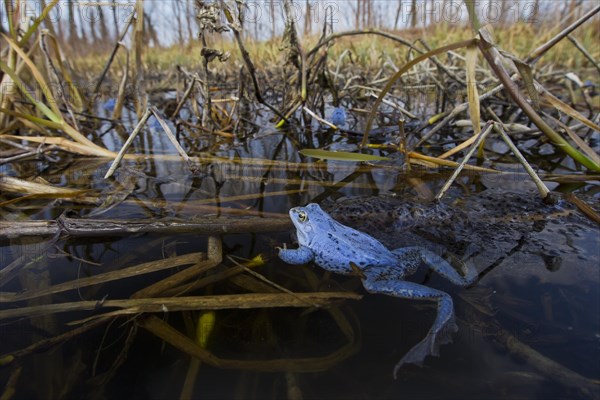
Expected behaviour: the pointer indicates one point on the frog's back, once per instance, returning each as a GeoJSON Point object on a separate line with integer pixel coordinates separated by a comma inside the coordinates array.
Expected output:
{"type": "Point", "coordinates": [339, 245]}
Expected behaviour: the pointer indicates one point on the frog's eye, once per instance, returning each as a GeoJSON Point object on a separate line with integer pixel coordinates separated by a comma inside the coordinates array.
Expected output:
{"type": "Point", "coordinates": [302, 216]}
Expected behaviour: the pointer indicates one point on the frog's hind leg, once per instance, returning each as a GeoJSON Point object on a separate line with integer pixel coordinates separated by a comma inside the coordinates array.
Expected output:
{"type": "Point", "coordinates": [443, 327]}
{"type": "Point", "coordinates": [438, 264]}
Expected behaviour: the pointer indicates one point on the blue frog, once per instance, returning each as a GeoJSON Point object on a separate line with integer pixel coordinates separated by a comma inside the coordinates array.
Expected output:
{"type": "Point", "coordinates": [338, 116]}
{"type": "Point", "coordinates": [343, 250]}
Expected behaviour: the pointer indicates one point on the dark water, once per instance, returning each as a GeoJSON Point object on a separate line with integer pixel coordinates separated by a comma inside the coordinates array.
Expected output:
{"type": "Point", "coordinates": [538, 265]}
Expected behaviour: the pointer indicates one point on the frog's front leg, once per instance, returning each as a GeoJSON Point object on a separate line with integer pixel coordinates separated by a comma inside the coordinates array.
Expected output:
{"type": "Point", "coordinates": [438, 264]}
{"type": "Point", "coordinates": [301, 255]}
{"type": "Point", "coordinates": [443, 327]}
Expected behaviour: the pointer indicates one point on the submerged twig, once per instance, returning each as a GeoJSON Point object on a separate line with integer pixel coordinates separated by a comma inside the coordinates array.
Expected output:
{"type": "Point", "coordinates": [185, 344]}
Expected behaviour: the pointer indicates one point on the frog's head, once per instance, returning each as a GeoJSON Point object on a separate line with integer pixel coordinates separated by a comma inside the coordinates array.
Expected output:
{"type": "Point", "coordinates": [309, 222]}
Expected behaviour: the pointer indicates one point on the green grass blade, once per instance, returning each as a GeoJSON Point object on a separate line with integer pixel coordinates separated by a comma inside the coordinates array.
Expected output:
{"type": "Point", "coordinates": [39, 79]}
{"type": "Point", "coordinates": [33, 28]}
{"type": "Point", "coordinates": [23, 88]}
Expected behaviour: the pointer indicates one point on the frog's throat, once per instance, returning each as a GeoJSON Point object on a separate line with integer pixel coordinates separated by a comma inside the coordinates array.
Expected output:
{"type": "Point", "coordinates": [303, 239]}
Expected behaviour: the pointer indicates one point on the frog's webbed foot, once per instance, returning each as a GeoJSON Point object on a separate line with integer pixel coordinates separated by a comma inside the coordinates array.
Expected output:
{"type": "Point", "coordinates": [429, 345]}
{"type": "Point", "coordinates": [443, 327]}
{"type": "Point", "coordinates": [439, 265]}
{"type": "Point", "coordinates": [301, 255]}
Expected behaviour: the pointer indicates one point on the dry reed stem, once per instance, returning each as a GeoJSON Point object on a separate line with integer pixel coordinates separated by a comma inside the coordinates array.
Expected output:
{"type": "Point", "coordinates": [325, 40]}
{"type": "Point", "coordinates": [583, 51]}
{"type": "Point", "coordinates": [478, 139]}
{"type": "Point", "coordinates": [170, 135]}
{"type": "Point", "coordinates": [173, 304]}
{"type": "Point", "coordinates": [456, 111]}
{"type": "Point", "coordinates": [321, 120]}
{"type": "Point", "coordinates": [9, 184]}
{"type": "Point", "coordinates": [214, 256]}
{"type": "Point", "coordinates": [141, 98]}
{"type": "Point", "coordinates": [186, 95]}
{"type": "Point", "coordinates": [415, 157]}
{"type": "Point", "coordinates": [544, 191]}
{"type": "Point", "coordinates": [537, 53]}
{"type": "Point", "coordinates": [203, 282]}
{"type": "Point", "coordinates": [127, 143]}
{"type": "Point", "coordinates": [401, 72]}
{"type": "Point", "coordinates": [583, 207]}
{"type": "Point", "coordinates": [118, 110]}
{"type": "Point", "coordinates": [110, 227]}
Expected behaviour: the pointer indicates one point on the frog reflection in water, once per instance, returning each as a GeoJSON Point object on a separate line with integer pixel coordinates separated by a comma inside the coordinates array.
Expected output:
{"type": "Point", "coordinates": [343, 250]}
